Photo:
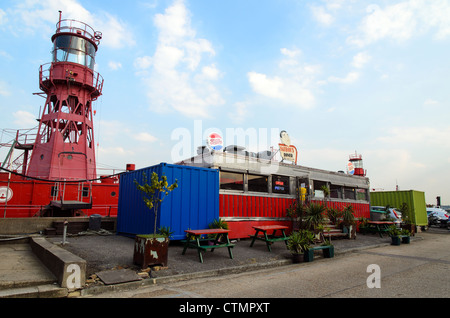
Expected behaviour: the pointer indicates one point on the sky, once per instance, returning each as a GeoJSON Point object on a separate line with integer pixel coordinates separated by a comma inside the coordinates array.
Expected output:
{"type": "Point", "coordinates": [339, 76]}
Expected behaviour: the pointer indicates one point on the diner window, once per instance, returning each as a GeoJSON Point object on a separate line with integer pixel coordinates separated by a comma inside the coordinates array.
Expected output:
{"type": "Point", "coordinates": [280, 184]}
{"type": "Point", "coordinates": [349, 193]}
{"type": "Point", "coordinates": [231, 181]}
{"type": "Point", "coordinates": [257, 183]}
{"type": "Point", "coordinates": [318, 188]}
{"type": "Point", "coordinates": [361, 194]}
{"type": "Point", "coordinates": [335, 191]}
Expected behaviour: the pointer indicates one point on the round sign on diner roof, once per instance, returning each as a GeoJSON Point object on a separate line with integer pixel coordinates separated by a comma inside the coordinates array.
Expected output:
{"type": "Point", "coordinates": [350, 168]}
{"type": "Point", "coordinates": [214, 141]}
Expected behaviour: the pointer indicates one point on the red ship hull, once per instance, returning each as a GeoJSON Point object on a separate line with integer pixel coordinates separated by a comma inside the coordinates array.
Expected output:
{"type": "Point", "coordinates": [32, 198]}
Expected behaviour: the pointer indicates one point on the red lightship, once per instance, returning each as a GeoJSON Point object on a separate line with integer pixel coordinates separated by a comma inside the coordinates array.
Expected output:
{"type": "Point", "coordinates": [56, 173]}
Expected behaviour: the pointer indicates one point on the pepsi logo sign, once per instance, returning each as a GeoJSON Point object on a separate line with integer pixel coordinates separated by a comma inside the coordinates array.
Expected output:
{"type": "Point", "coordinates": [350, 168]}
{"type": "Point", "coordinates": [214, 141]}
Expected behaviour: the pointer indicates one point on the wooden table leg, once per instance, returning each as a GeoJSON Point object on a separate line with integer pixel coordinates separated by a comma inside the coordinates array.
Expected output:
{"type": "Point", "coordinates": [254, 238]}
{"type": "Point", "coordinates": [229, 247]}
{"type": "Point", "coordinates": [284, 236]}
{"type": "Point", "coordinates": [267, 241]}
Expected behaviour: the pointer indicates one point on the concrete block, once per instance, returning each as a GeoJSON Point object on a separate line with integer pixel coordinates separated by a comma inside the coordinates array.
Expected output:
{"type": "Point", "coordinates": [69, 269]}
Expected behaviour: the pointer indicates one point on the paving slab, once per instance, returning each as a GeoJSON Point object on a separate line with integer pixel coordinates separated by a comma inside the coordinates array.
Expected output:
{"type": "Point", "coordinates": [19, 267]}
{"type": "Point", "coordinates": [118, 276]}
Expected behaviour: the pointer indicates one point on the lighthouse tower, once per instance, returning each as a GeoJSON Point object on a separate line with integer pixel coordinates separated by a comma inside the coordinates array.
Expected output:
{"type": "Point", "coordinates": [64, 146]}
{"type": "Point", "coordinates": [355, 165]}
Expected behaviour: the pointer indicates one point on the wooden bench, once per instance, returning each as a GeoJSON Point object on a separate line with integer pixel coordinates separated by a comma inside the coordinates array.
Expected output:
{"type": "Point", "coordinates": [271, 238]}
{"type": "Point", "coordinates": [194, 241]}
{"type": "Point", "coordinates": [328, 252]}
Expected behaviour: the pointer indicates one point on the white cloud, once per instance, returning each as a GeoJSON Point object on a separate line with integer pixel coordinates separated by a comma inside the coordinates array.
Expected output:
{"type": "Point", "coordinates": [360, 59]}
{"type": "Point", "coordinates": [322, 16]}
{"type": "Point", "coordinates": [240, 112]}
{"type": "Point", "coordinates": [24, 119]}
{"type": "Point", "coordinates": [43, 15]}
{"type": "Point", "coordinates": [210, 72]}
{"type": "Point", "coordinates": [290, 53]}
{"type": "Point", "coordinates": [116, 33]}
{"type": "Point", "coordinates": [5, 90]}
{"type": "Point", "coordinates": [292, 84]}
{"type": "Point", "coordinates": [283, 89]}
{"type": "Point", "coordinates": [179, 76]}
{"type": "Point", "coordinates": [350, 78]}
{"type": "Point", "coordinates": [114, 65]}
{"type": "Point", "coordinates": [430, 102]}
{"type": "Point", "coordinates": [146, 137]}
{"type": "Point", "coordinates": [3, 18]}
{"type": "Point", "coordinates": [418, 136]}
{"type": "Point", "coordinates": [402, 21]}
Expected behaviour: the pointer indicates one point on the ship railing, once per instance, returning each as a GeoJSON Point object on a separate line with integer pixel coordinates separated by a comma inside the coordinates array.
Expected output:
{"type": "Point", "coordinates": [45, 74]}
{"type": "Point", "coordinates": [80, 28]}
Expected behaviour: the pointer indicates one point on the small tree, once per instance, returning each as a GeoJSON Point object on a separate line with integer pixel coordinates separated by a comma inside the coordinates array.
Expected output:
{"type": "Point", "coordinates": [326, 194]}
{"type": "Point", "coordinates": [154, 193]}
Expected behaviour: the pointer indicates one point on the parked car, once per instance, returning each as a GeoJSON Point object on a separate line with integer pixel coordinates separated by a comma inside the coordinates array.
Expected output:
{"type": "Point", "coordinates": [390, 214]}
{"type": "Point", "coordinates": [437, 216]}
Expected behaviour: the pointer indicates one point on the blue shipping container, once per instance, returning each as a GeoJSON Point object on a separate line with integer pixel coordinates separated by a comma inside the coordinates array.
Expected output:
{"type": "Point", "coordinates": [193, 205]}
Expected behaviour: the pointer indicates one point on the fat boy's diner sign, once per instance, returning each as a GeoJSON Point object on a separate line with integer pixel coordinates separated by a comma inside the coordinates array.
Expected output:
{"type": "Point", "coordinates": [287, 151]}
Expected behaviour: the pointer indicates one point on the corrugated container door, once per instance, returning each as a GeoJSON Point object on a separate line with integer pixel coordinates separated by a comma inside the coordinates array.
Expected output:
{"type": "Point", "coordinates": [192, 205]}
{"type": "Point", "coordinates": [133, 216]}
{"type": "Point", "coordinates": [395, 199]}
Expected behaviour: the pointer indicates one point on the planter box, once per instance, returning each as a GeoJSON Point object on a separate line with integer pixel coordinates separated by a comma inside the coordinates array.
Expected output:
{"type": "Point", "coordinates": [396, 240]}
{"type": "Point", "coordinates": [328, 253]}
{"type": "Point", "coordinates": [150, 251]}
{"type": "Point", "coordinates": [406, 239]}
{"type": "Point", "coordinates": [298, 258]}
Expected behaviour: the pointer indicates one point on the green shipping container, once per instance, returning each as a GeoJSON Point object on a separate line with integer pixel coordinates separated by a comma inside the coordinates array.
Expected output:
{"type": "Point", "coordinates": [395, 199]}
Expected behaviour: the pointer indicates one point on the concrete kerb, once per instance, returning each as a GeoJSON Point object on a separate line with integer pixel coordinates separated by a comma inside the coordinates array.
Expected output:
{"type": "Point", "coordinates": [69, 269]}
{"type": "Point", "coordinates": [97, 290]}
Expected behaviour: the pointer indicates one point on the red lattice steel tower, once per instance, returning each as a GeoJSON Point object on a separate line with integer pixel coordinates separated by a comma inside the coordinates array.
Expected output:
{"type": "Point", "coordinates": [64, 148]}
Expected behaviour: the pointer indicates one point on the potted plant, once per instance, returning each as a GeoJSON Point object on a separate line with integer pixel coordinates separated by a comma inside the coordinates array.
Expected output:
{"type": "Point", "coordinates": [407, 224]}
{"type": "Point", "coordinates": [296, 213]}
{"type": "Point", "coordinates": [216, 224]}
{"type": "Point", "coordinates": [363, 224]}
{"type": "Point", "coordinates": [298, 244]}
{"type": "Point", "coordinates": [314, 215]}
{"type": "Point", "coordinates": [152, 249]}
{"type": "Point", "coordinates": [406, 236]}
{"type": "Point", "coordinates": [348, 222]}
{"type": "Point", "coordinates": [334, 215]}
{"type": "Point", "coordinates": [395, 234]}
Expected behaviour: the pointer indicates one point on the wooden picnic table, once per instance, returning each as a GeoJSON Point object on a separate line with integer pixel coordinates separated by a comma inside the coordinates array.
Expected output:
{"type": "Point", "coordinates": [271, 238]}
{"type": "Point", "coordinates": [379, 227]}
{"type": "Point", "coordinates": [194, 240]}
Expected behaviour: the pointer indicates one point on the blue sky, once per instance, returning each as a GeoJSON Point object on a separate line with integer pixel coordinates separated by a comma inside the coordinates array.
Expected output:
{"type": "Point", "coordinates": [338, 75]}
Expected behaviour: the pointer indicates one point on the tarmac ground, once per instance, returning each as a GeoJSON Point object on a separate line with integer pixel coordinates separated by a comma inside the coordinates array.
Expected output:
{"type": "Point", "coordinates": [22, 274]}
